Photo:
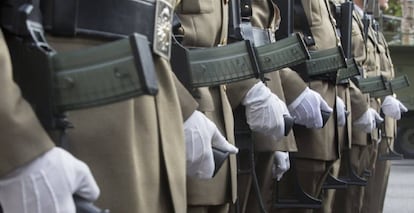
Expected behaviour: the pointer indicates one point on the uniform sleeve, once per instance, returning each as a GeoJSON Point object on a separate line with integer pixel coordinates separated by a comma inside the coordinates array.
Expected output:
{"type": "Point", "coordinates": [237, 91]}
{"type": "Point", "coordinates": [187, 103]}
{"type": "Point", "coordinates": [359, 103]}
{"type": "Point", "coordinates": [22, 137]}
{"type": "Point", "coordinates": [292, 84]}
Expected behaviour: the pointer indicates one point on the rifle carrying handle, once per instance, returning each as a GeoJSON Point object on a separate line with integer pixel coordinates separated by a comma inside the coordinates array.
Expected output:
{"type": "Point", "coordinates": [85, 206]}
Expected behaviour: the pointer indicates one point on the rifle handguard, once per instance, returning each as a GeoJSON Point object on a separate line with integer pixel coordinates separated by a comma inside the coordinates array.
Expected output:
{"type": "Point", "coordinates": [289, 121]}
{"type": "Point", "coordinates": [85, 206]}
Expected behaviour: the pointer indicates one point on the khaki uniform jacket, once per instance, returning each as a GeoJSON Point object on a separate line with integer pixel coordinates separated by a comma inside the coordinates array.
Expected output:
{"type": "Point", "coordinates": [318, 144]}
{"type": "Point", "coordinates": [204, 24]}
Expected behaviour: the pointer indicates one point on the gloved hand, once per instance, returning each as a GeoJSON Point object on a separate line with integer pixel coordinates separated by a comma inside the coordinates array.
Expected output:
{"type": "Point", "coordinates": [47, 184]}
{"type": "Point", "coordinates": [393, 107]}
{"type": "Point", "coordinates": [307, 107]}
{"type": "Point", "coordinates": [264, 111]}
{"type": "Point", "coordinates": [281, 164]}
{"type": "Point", "coordinates": [367, 122]}
{"type": "Point", "coordinates": [201, 135]}
{"type": "Point", "coordinates": [340, 111]}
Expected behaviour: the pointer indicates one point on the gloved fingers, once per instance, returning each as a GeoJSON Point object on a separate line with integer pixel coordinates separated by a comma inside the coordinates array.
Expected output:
{"type": "Point", "coordinates": [317, 121]}
{"type": "Point", "coordinates": [219, 142]}
{"type": "Point", "coordinates": [324, 106]}
{"type": "Point", "coordinates": [79, 176]}
{"type": "Point", "coordinates": [280, 164]}
{"type": "Point", "coordinates": [199, 154]}
{"type": "Point", "coordinates": [403, 108]}
{"type": "Point", "coordinates": [200, 135]}
{"type": "Point", "coordinates": [287, 161]}
{"type": "Point", "coordinates": [266, 117]}
{"type": "Point", "coordinates": [277, 173]}
{"type": "Point", "coordinates": [340, 109]}
{"type": "Point", "coordinates": [279, 170]}
{"type": "Point", "coordinates": [41, 185]}
{"type": "Point", "coordinates": [87, 187]}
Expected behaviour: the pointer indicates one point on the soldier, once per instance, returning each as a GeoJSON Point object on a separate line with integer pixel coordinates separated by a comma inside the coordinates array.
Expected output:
{"type": "Point", "coordinates": [134, 147]}
{"type": "Point", "coordinates": [350, 199]}
{"type": "Point", "coordinates": [272, 157]}
{"type": "Point", "coordinates": [392, 109]}
{"type": "Point", "coordinates": [317, 148]}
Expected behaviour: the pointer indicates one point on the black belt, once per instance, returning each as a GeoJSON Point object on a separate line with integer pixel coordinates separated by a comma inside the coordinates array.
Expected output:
{"type": "Point", "coordinates": [107, 18]}
{"type": "Point", "coordinates": [111, 19]}
{"type": "Point", "coordinates": [103, 19]}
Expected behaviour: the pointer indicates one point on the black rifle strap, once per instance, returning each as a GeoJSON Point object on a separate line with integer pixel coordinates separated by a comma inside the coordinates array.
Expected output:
{"type": "Point", "coordinates": [286, 8]}
{"type": "Point", "coordinates": [304, 24]}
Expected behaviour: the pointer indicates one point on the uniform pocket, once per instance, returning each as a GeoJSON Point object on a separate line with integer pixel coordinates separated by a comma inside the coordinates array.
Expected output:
{"type": "Point", "coordinates": [196, 7]}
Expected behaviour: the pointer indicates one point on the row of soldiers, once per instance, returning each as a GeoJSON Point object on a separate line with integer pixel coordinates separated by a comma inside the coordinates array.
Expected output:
{"type": "Point", "coordinates": [187, 106]}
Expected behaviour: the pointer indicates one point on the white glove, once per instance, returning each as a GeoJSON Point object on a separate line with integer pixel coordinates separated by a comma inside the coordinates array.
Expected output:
{"type": "Point", "coordinates": [307, 107]}
{"type": "Point", "coordinates": [201, 135]}
{"type": "Point", "coordinates": [340, 111]}
{"type": "Point", "coordinates": [367, 122]}
{"type": "Point", "coordinates": [264, 111]}
{"type": "Point", "coordinates": [47, 184]}
{"type": "Point", "coordinates": [281, 164]}
{"type": "Point", "coordinates": [392, 107]}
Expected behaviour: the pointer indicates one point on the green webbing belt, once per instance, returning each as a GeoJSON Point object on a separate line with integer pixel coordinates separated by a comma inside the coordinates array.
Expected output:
{"type": "Point", "coordinates": [284, 53]}
{"type": "Point", "coordinates": [351, 70]}
{"type": "Point", "coordinates": [104, 74]}
{"type": "Point", "coordinates": [371, 84]}
{"type": "Point", "coordinates": [325, 62]}
{"type": "Point", "coordinates": [397, 83]}
{"type": "Point", "coordinates": [400, 82]}
{"type": "Point", "coordinates": [322, 65]}
{"type": "Point", "coordinates": [237, 61]}
{"type": "Point", "coordinates": [202, 67]}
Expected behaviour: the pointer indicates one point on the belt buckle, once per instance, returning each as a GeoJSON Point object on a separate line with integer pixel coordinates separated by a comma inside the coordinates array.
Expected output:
{"type": "Point", "coordinates": [162, 29]}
